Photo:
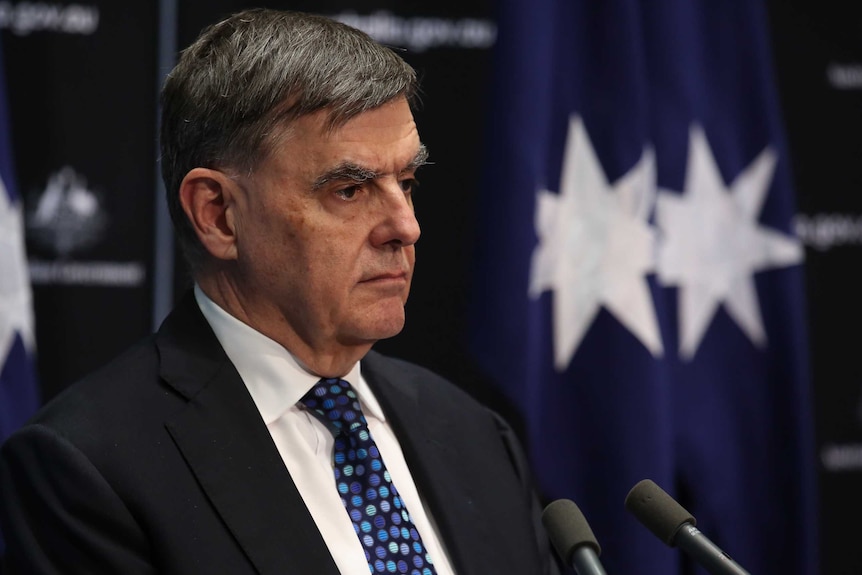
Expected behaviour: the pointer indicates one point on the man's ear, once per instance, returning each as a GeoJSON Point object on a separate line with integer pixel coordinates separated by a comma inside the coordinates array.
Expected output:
{"type": "Point", "coordinates": [208, 197]}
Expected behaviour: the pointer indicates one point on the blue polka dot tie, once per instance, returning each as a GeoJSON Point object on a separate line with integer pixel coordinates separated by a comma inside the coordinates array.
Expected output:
{"type": "Point", "coordinates": [380, 519]}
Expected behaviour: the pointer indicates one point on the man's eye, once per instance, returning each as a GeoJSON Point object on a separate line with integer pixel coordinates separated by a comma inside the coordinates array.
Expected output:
{"type": "Point", "coordinates": [409, 185]}
{"type": "Point", "coordinates": [347, 193]}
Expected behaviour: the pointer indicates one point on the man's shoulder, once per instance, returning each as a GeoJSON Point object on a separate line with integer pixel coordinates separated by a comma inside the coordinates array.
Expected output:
{"type": "Point", "coordinates": [131, 387]}
{"type": "Point", "coordinates": [111, 397]}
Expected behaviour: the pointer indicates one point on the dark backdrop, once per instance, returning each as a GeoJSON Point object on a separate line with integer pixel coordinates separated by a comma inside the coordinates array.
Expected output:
{"type": "Point", "coordinates": [818, 51]}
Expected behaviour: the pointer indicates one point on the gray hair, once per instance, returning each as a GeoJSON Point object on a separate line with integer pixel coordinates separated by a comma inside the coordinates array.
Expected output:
{"type": "Point", "coordinates": [238, 87]}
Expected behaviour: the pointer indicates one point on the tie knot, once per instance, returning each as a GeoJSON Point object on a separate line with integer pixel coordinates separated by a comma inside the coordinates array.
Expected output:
{"type": "Point", "coordinates": [334, 402]}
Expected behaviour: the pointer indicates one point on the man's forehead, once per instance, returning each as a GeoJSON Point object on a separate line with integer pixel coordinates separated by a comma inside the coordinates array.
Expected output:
{"type": "Point", "coordinates": [328, 122]}
{"type": "Point", "coordinates": [384, 139]}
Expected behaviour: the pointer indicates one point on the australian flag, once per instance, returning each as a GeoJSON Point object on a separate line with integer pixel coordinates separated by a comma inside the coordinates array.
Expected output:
{"type": "Point", "coordinates": [639, 286]}
{"type": "Point", "coordinates": [19, 395]}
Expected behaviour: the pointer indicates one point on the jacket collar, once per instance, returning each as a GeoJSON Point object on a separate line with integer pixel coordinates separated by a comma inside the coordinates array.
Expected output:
{"type": "Point", "coordinates": [231, 453]}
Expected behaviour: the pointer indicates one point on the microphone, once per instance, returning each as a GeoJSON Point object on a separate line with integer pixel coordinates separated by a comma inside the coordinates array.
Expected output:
{"type": "Point", "coordinates": [671, 523]}
{"type": "Point", "coordinates": [572, 537]}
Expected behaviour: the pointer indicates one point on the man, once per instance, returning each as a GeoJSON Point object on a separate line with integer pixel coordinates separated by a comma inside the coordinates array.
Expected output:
{"type": "Point", "coordinates": [256, 432]}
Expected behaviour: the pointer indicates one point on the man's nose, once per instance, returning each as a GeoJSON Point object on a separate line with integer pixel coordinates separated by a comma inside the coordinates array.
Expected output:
{"type": "Point", "coordinates": [398, 225]}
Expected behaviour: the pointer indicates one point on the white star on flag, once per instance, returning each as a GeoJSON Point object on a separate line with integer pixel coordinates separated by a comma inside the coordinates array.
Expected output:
{"type": "Point", "coordinates": [595, 247]}
{"type": "Point", "coordinates": [16, 310]}
{"type": "Point", "coordinates": [712, 244]}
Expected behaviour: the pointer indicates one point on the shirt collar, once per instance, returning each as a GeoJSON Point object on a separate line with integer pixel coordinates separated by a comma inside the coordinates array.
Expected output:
{"type": "Point", "coordinates": [274, 378]}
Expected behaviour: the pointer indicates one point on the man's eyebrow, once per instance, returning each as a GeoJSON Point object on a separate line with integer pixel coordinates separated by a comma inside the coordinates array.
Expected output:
{"type": "Point", "coordinates": [419, 160]}
{"type": "Point", "coordinates": [345, 171]}
{"type": "Point", "coordinates": [355, 173]}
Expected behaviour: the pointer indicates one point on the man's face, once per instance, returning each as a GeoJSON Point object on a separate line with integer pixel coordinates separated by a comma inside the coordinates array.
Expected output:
{"type": "Point", "coordinates": [326, 231]}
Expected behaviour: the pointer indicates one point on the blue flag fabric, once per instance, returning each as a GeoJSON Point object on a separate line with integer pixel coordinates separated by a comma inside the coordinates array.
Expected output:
{"type": "Point", "coordinates": [639, 287]}
{"type": "Point", "coordinates": [19, 395]}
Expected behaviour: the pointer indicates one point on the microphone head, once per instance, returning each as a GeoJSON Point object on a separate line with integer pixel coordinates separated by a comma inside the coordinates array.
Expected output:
{"type": "Point", "coordinates": [568, 528]}
{"type": "Point", "coordinates": [657, 510]}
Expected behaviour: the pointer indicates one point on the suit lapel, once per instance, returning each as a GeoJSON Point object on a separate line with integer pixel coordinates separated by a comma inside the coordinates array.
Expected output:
{"type": "Point", "coordinates": [231, 453]}
{"type": "Point", "coordinates": [430, 443]}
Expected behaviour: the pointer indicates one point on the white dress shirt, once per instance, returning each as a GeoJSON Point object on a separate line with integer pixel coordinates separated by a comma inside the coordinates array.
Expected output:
{"type": "Point", "coordinates": [276, 382]}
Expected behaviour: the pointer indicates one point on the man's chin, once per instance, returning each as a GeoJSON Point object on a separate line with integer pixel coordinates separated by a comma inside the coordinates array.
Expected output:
{"type": "Point", "coordinates": [381, 324]}
{"type": "Point", "coordinates": [388, 330]}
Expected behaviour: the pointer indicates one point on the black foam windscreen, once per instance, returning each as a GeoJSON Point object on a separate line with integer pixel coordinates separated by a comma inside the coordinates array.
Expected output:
{"type": "Point", "coordinates": [568, 528]}
{"type": "Point", "coordinates": [657, 510]}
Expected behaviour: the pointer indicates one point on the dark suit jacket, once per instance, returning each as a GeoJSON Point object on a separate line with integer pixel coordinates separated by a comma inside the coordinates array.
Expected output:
{"type": "Point", "coordinates": [161, 463]}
